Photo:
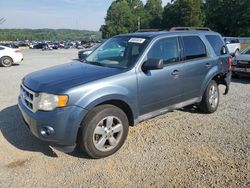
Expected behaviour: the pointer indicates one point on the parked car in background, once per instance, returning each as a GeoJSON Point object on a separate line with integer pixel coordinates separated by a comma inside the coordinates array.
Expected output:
{"type": "Point", "coordinates": [233, 45]}
{"type": "Point", "coordinates": [140, 75]}
{"type": "Point", "coordinates": [241, 63]}
{"type": "Point", "coordinates": [82, 54]}
{"type": "Point", "coordinates": [39, 46]}
{"type": "Point", "coordinates": [55, 46]}
{"type": "Point", "coordinates": [10, 45]}
{"type": "Point", "coordinates": [9, 56]}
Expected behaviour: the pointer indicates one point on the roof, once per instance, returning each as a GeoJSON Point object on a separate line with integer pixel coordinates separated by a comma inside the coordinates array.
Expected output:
{"type": "Point", "coordinates": [164, 33]}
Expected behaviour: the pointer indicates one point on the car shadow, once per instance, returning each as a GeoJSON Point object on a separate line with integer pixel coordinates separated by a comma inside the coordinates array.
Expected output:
{"type": "Point", "coordinates": [79, 153]}
{"type": "Point", "coordinates": [193, 109]}
{"type": "Point", "coordinates": [241, 80]}
{"type": "Point", "coordinates": [15, 64]}
{"type": "Point", "coordinates": [16, 133]}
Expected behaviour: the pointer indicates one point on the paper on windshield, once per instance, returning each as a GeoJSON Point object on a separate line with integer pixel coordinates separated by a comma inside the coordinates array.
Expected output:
{"type": "Point", "coordinates": [137, 40]}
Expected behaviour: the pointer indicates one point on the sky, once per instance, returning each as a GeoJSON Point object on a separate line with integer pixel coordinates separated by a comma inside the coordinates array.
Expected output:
{"type": "Point", "coordinates": [55, 14]}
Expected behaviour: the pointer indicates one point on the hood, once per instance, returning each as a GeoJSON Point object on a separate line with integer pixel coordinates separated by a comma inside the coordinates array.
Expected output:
{"type": "Point", "coordinates": [60, 78]}
{"type": "Point", "coordinates": [242, 57]}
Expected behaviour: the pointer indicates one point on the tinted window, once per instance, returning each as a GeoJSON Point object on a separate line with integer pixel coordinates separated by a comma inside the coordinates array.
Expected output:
{"type": "Point", "coordinates": [231, 40]}
{"type": "Point", "coordinates": [216, 42]}
{"type": "Point", "coordinates": [235, 41]}
{"type": "Point", "coordinates": [1, 48]}
{"type": "Point", "coordinates": [193, 47]}
{"type": "Point", "coordinates": [165, 49]}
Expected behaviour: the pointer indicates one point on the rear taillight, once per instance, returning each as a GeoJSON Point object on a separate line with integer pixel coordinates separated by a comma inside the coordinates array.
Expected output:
{"type": "Point", "coordinates": [230, 62]}
{"type": "Point", "coordinates": [18, 51]}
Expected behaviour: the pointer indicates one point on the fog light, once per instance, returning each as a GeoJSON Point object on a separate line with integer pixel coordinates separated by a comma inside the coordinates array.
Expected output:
{"type": "Point", "coordinates": [47, 131]}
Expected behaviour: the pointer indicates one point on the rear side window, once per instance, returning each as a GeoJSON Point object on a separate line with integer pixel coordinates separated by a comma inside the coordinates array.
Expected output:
{"type": "Point", "coordinates": [193, 47]}
{"type": "Point", "coordinates": [216, 42]}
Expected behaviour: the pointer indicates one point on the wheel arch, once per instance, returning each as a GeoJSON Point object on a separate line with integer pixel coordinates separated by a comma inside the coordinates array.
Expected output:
{"type": "Point", "coordinates": [124, 107]}
{"type": "Point", "coordinates": [217, 77]}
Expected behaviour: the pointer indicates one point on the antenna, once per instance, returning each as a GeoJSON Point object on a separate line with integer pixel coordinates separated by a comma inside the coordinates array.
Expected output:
{"type": "Point", "coordinates": [2, 20]}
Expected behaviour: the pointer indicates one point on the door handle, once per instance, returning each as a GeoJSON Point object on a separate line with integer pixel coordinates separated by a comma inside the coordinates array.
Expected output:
{"type": "Point", "coordinates": [208, 65]}
{"type": "Point", "coordinates": [175, 73]}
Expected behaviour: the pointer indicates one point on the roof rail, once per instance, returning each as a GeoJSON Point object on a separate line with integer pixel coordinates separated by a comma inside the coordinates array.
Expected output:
{"type": "Point", "coordinates": [190, 29]}
{"type": "Point", "coordinates": [149, 30]}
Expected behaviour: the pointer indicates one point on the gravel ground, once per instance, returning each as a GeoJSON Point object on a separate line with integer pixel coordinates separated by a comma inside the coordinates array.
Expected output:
{"type": "Point", "coordinates": [180, 149]}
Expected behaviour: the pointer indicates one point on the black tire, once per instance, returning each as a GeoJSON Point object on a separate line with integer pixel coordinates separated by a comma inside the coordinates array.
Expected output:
{"type": "Point", "coordinates": [6, 61]}
{"type": "Point", "coordinates": [89, 139]}
{"type": "Point", "coordinates": [206, 106]}
{"type": "Point", "coordinates": [235, 75]}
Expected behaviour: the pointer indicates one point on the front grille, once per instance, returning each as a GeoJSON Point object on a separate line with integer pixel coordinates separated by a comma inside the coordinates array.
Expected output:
{"type": "Point", "coordinates": [28, 98]}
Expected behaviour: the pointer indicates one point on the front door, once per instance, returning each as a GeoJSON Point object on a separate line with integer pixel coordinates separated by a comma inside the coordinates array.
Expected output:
{"type": "Point", "coordinates": [161, 88]}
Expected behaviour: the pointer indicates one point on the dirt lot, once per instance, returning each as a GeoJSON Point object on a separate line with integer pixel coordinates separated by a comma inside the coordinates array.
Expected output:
{"type": "Point", "coordinates": [180, 149]}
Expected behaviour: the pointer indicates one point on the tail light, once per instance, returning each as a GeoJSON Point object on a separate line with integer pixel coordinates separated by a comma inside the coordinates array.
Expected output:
{"type": "Point", "coordinates": [230, 62]}
{"type": "Point", "coordinates": [18, 51]}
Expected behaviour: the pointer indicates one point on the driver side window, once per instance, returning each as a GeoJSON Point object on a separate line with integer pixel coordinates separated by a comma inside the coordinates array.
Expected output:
{"type": "Point", "coordinates": [165, 49]}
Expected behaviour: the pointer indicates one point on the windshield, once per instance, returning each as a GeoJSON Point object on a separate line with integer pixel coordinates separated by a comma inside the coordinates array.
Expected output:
{"type": "Point", "coordinates": [118, 52]}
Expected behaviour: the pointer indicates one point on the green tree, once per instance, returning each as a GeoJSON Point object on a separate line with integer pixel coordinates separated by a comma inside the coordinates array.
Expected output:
{"type": "Point", "coordinates": [183, 13]}
{"type": "Point", "coordinates": [122, 17]}
{"type": "Point", "coordinates": [47, 34]}
{"type": "Point", "coordinates": [231, 18]}
{"type": "Point", "coordinates": [119, 19]}
{"type": "Point", "coordinates": [137, 9]}
{"type": "Point", "coordinates": [153, 14]}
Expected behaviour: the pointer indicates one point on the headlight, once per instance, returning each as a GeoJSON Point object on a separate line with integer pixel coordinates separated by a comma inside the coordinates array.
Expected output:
{"type": "Point", "coordinates": [49, 102]}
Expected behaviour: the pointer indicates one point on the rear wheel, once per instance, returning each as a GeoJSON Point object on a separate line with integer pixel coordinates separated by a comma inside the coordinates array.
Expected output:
{"type": "Point", "coordinates": [6, 61]}
{"type": "Point", "coordinates": [103, 131]}
{"type": "Point", "coordinates": [211, 98]}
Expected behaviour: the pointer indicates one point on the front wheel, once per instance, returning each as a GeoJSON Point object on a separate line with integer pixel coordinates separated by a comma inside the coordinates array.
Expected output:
{"type": "Point", "coordinates": [210, 99]}
{"type": "Point", "coordinates": [103, 131]}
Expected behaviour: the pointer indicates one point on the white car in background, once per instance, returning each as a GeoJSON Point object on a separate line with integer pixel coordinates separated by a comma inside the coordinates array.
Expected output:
{"type": "Point", "coordinates": [233, 45]}
{"type": "Point", "coordinates": [9, 56]}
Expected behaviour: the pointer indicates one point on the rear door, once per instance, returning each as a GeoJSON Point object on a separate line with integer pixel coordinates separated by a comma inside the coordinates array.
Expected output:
{"type": "Point", "coordinates": [196, 65]}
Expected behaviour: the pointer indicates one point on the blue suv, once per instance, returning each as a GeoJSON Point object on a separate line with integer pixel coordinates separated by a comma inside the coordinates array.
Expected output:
{"type": "Point", "coordinates": [128, 79]}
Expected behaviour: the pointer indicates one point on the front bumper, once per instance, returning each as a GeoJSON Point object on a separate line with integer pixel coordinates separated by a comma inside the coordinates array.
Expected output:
{"type": "Point", "coordinates": [65, 122]}
{"type": "Point", "coordinates": [18, 58]}
{"type": "Point", "coordinates": [245, 70]}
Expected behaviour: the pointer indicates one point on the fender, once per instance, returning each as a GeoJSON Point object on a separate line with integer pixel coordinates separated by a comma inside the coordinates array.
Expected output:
{"type": "Point", "coordinates": [210, 75]}
{"type": "Point", "coordinates": [99, 95]}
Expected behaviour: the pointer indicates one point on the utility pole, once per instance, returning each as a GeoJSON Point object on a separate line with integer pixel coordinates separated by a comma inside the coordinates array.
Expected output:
{"type": "Point", "coordinates": [139, 23]}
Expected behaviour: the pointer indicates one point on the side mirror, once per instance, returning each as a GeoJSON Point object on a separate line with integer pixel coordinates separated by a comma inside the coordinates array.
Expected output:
{"type": "Point", "coordinates": [223, 50]}
{"type": "Point", "coordinates": [152, 64]}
